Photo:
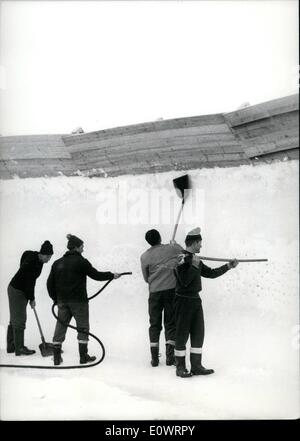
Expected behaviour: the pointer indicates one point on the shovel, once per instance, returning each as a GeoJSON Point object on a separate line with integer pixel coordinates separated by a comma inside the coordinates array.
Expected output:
{"type": "Point", "coordinates": [181, 184]}
{"type": "Point", "coordinates": [184, 183]}
{"type": "Point", "coordinates": [45, 348]}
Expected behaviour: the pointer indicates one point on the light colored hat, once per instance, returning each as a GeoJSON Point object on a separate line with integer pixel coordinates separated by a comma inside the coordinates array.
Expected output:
{"type": "Point", "coordinates": [194, 234]}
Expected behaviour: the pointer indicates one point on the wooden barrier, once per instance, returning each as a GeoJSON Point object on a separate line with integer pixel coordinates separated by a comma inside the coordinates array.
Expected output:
{"type": "Point", "coordinates": [264, 132]}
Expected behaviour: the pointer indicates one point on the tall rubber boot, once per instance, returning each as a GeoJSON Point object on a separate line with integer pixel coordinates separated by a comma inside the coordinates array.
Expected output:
{"type": "Point", "coordinates": [181, 370]}
{"type": "Point", "coordinates": [10, 345]}
{"type": "Point", "coordinates": [196, 365]}
{"type": "Point", "coordinates": [20, 349]}
{"type": "Point", "coordinates": [170, 357]}
{"type": "Point", "coordinates": [84, 356]}
{"type": "Point", "coordinates": [154, 356]}
{"type": "Point", "coordinates": [57, 359]}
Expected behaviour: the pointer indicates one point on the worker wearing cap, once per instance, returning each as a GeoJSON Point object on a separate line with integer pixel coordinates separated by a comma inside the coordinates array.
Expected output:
{"type": "Point", "coordinates": [188, 306]}
{"type": "Point", "coordinates": [66, 286]}
{"type": "Point", "coordinates": [158, 263]}
{"type": "Point", "coordinates": [20, 292]}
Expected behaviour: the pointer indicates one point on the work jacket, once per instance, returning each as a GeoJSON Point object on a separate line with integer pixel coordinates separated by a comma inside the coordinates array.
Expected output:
{"type": "Point", "coordinates": [188, 275]}
{"type": "Point", "coordinates": [157, 264]}
{"type": "Point", "coordinates": [68, 277]}
{"type": "Point", "coordinates": [30, 269]}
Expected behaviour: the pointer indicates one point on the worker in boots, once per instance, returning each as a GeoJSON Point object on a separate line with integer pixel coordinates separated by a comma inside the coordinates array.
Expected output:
{"type": "Point", "coordinates": [21, 291]}
{"type": "Point", "coordinates": [66, 286]}
{"type": "Point", "coordinates": [158, 264]}
{"type": "Point", "coordinates": [188, 306]}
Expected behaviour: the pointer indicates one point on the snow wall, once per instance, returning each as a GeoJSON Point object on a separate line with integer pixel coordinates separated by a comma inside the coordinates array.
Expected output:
{"type": "Point", "coordinates": [251, 313]}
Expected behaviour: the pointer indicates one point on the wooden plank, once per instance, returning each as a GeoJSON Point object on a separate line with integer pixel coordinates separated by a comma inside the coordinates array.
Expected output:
{"type": "Point", "coordinates": [245, 116]}
{"type": "Point", "coordinates": [276, 156]}
{"type": "Point", "coordinates": [167, 147]}
{"type": "Point", "coordinates": [283, 105]}
{"type": "Point", "coordinates": [32, 147]}
{"type": "Point", "coordinates": [266, 136]}
{"type": "Point", "coordinates": [164, 145]}
{"type": "Point", "coordinates": [32, 153]}
{"type": "Point", "coordinates": [263, 110]}
{"type": "Point", "coordinates": [207, 131]}
{"type": "Point", "coordinates": [270, 136]}
{"type": "Point", "coordinates": [157, 140]}
{"type": "Point", "coordinates": [37, 167]}
{"type": "Point", "coordinates": [274, 124]}
{"type": "Point", "coordinates": [226, 157]}
{"type": "Point", "coordinates": [287, 143]}
{"type": "Point", "coordinates": [263, 149]}
{"type": "Point", "coordinates": [290, 119]}
{"type": "Point", "coordinates": [156, 126]}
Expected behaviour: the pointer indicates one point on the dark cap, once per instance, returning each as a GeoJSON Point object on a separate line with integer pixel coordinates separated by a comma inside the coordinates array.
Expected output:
{"type": "Point", "coordinates": [73, 242]}
{"type": "Point", "coordinates": [46, 248]}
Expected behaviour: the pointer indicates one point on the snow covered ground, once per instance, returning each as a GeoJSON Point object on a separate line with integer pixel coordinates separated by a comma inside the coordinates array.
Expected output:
{"type": "Point", "coordinates": [251, 313]}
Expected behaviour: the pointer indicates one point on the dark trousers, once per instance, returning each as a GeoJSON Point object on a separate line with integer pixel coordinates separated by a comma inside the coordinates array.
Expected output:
{"type": "Point", "coordinates": [189, 322]}
{"type": "Point", "coordinates": [80, 312]}
{"type": "Point", "coordinates": [17, 307]}
{"type": "Point", "coordinates": [161, 303]}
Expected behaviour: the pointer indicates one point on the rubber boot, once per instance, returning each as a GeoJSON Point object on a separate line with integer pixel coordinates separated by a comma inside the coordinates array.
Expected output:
{"type": "Point", "coordinates": [181, 370]}
{"type": "Point", "coordinates": [84, 356]}
{"type": "Point", "coordinates": [196, 365]}
{"type": "Point", "coordinates": [57, 359]}
{"type": "Point", "coordinates": [154, 356]}
{"type": "Point", "coordinates": [170, 357]}
{"type": "Point", "coordinates": [10, 345]}
{"type": "Point", "coordinates": [20, 349]}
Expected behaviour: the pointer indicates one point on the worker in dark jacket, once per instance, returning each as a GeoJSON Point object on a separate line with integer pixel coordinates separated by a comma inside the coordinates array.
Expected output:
{"type": "Point", "coordinates": [158, 264]}
{"type": "Point", "coordinates": [188, 306]}
{"type": "Point", "coordinates": [66, 285]}
{"type": "Point", "coordinates": [20, 292]}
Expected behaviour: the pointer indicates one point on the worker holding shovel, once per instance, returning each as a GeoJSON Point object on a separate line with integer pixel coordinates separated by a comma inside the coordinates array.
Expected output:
{"type": "Point", "coordinates": [20, 292]}
{"type": "Point", "coordinates": [66, 286]}
{"type": "Point", "coordinates": [188, 306]}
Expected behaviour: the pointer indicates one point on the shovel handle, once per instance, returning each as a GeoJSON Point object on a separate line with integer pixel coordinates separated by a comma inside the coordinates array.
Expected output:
{"type": "Point", "coordinates": [177, 221]}
{"type": "Point", "coordinates": [39, 325]}
{"type": "Point", "coordinates": [216, 259]}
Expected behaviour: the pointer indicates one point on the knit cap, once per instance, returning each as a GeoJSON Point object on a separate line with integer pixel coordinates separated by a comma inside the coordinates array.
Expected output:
{"type": "Point", "coordinates": [46, 248]}
{"type": "Point", "coordinates": [73, 242]}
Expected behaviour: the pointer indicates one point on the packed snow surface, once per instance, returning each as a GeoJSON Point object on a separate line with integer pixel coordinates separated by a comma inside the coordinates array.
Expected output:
{"type": "Point", "coordinates": [251, 313]}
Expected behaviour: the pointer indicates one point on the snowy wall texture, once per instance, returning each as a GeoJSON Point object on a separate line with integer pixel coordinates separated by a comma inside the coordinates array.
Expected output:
{"type": "Point", "coordinates": [251, 313]}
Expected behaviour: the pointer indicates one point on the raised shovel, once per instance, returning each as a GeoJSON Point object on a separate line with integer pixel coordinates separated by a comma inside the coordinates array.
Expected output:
{"type": "Point", "coordinates": [181, 184]}
{"type": "Point", "coordinates": [45, 348]}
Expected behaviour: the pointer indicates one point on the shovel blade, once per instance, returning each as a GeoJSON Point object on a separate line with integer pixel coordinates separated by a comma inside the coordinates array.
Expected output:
{"type": "Point", "coordinates": [46, 349]}
{"type": "Point", "coordinates": [181, 184]}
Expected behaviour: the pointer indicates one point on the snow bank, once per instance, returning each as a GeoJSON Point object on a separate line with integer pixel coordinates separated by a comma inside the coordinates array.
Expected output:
{"type": "Point", "coordinates": [251, 313]}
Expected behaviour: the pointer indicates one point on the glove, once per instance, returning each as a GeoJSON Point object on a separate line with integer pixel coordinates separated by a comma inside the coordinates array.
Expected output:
{"type": "Point", "coordinates": [32, 303]}
{"type": "Point", "coordinates": [232, 263]}
{"type": "Point", "coordinates": [180, 259]}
